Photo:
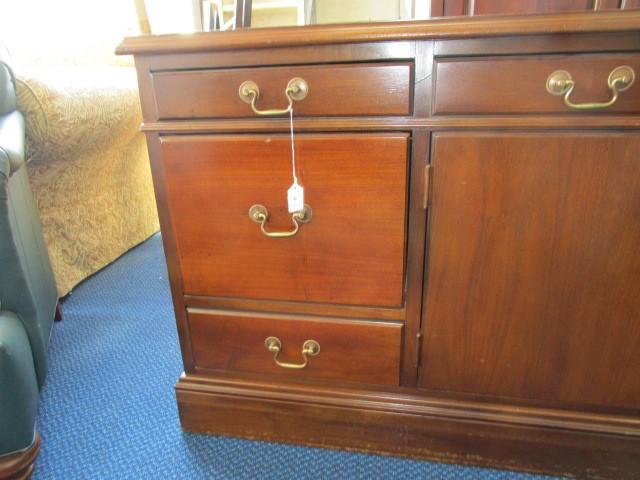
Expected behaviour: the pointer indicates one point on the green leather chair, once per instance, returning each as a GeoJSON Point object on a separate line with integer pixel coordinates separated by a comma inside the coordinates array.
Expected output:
{"type": "Point", "coordinates": [28, 295]}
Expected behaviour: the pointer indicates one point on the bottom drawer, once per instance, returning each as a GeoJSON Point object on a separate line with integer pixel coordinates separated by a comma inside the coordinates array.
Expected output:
{"type": "Point", "coordinates": [346, 350]}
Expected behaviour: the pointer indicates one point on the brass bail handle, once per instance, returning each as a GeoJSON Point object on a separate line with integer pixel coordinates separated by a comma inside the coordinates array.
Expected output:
{"type": "Point", "coordinates": [310, 348]}
{"type": "Point", "coordinates": [297, 89]}
{"type": "Point", "coordinates": [620, 79]}
{"type": "Point", "coordinates": [260, 214]}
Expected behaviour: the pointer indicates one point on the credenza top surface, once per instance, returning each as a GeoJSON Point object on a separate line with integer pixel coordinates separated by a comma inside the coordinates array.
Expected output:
{"type": "Point", "coordinates": [441, 28]}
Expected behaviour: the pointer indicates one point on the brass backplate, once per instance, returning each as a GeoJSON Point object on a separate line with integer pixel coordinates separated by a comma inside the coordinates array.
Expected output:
{"type": "Point", "coordinates": [306, 214]}
{"type": "Point", "coordinates": [623, 77]}
{"type": "Point", "coordinates": [248, 90]}
{"type": "Point", "coordinates": [258, 213]}
{"type": "Point", "coordinates": [298, 89]}
{"type": "Point", "coordinates": [558, 82]}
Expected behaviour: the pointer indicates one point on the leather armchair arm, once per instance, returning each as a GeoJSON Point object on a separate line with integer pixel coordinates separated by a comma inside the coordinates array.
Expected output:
{"type": "Point", "coordinates": [5, 164]}
{"type": "Point", "coordinates": [19, 392]}
{"type": "Point", "coordinates": [12, 139]}
{"type": "Point", "coordinates": [8, 100]}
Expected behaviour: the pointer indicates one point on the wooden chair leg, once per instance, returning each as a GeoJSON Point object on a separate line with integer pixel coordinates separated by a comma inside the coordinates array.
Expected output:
{"type": "Point", "coordinates": [19, 466]}
{"type": "Point", "coordinates": [58, 315]}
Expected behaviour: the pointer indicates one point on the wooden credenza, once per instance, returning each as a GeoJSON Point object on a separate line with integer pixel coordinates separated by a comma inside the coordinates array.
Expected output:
{"type": "Point", "coordinates": [465, 285]}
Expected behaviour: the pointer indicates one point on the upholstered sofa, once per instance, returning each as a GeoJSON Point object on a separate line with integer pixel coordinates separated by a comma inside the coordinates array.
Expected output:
{"type": "Point", "coordinates": [88, 165]}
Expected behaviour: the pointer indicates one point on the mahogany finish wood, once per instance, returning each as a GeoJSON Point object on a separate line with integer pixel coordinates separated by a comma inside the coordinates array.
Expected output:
{"type": "Point", "coordinates": [355, 184]}
{"type": "Point", "coordinates": [412, 401]}
{"type": "Point", "coordinates": [295, 55]}
{"type": "Point", "coordinates": [551, 43]}
{"type": "Point", "coordinates": [475, 27]}
{"type": "Point", "coordinates": [20, 466]}
{"type": "Point", "coordinates": [511, 122]}
{"type": "Point", "coordinates": [496, 85]}
{"type": "Point", "coordinates": [494, 7]}
{"type": "Point", "coordinates": [57, 316]}
{"type": "Point", "coordinates": [533, 251]}
{"type": "Point", "coordinates": [449, 8]}
{"type": "Point", "coordinates": [336, 419]}
{"type": "Point", "coordinates": [304, 308]}
{"type": "Point", "coordinates": [170, 249]}
{"type": "Point", "coordinates": [350, 351]}
{"type": "Point", "coordinates": [357, 89]}
{"type": "Point", "coordinates": [417, 221]}
{"type": "Point", "coordinates": [520, 209]}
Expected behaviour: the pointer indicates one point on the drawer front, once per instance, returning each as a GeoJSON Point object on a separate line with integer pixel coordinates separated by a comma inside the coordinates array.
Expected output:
{"type": "Point", "coordinates": [518, 85]}
{"type": "Point", "coordinates": [350, 89]}
{"type": "Point", "coordinates": [350, 252]}
{"type": "Point", "coordinates": [351, 351]}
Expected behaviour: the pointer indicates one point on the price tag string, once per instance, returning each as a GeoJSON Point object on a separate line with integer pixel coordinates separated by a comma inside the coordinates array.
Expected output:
{"type": "Point", "coordinates": [295, 194]}
{"type": "Point", "coordinates": [293, 150]}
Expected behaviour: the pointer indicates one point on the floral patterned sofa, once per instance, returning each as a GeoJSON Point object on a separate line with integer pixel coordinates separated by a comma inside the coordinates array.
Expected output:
{"type": "Point", "coordinates": [88, 165]}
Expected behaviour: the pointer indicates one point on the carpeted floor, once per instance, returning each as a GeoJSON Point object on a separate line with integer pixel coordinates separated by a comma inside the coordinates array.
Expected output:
{"type": "Point", "coordinates": [108, 409]}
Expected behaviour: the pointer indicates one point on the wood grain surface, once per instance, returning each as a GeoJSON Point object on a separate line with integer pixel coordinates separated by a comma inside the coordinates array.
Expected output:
{"type": "Point", "coordinates": [386, 424]}
{"type": "Point", "coordinates": [534, 268]}
{"type": "Point", "coordinates": [351, 252]}
{"type": "Point", "coordinates": [480, 26]}
{"type": "Point", "coordinates": [350, 350]}
{"type": "Point", "coordinates": [334, 90]}
{"type": "Point", "coordinates": [452, 8]}
{"type": "Point", "coordinates": [518, 85]}
{"type": "Point", "coordinates": [20, 465]}
{"type": "Point", "coordinates": [518, 347]}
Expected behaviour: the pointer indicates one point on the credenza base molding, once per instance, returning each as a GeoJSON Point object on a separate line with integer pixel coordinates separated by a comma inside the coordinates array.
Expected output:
{"type": "Point", "coordinates": [405, 425]}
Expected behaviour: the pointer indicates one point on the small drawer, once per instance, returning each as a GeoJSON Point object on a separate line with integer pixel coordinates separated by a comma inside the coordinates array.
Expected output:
{"type": "Point", "coordinates": [519, 85]}
{"type": "Point", "coordinates": [333, 90]}
{"type": "Point", "coordinates": [350, 247]}
{"type": "Point", "coordinates": [346, 350]}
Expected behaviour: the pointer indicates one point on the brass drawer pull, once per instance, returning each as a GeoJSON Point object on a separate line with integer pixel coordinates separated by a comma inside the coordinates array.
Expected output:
{"type": "Point", "coordinates": [297, 89]}
{"type": "Point", "coordinates": [260, 214]}
{"type": "Point", "coordinates": [561, 83]}
{"type": "Point", "coordinates": [310, 348]}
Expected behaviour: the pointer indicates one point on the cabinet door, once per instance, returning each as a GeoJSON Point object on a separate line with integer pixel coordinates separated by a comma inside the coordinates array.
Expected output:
{"type": "Point", "coordinates": [533, 279]}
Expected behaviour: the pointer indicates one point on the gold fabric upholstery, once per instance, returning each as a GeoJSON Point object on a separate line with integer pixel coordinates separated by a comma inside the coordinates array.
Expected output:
{"type": "Point", "coordinates": [89, 168]}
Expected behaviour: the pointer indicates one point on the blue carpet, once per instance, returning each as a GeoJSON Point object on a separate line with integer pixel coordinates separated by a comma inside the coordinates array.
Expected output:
{"type": "Point", "coordinates": [108, 409]}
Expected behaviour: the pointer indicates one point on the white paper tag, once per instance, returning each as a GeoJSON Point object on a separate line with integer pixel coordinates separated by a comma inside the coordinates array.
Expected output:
{"type": "Point", "coordinates": [295, 197]}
